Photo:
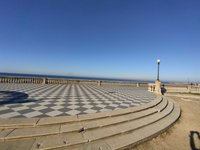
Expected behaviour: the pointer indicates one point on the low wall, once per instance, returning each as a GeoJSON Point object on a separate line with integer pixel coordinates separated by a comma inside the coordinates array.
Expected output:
{"type": "Point", "coordinates": [176, 88]}
{"type": "Point", "coordinates": [184, 89]}
{"type": "Point", "coordinates": [21, 80]}
{"type": "Point", "coordinates": [136, 84]}
{"type": "Point", "coordinates": [166, 88]}
{"type": "Point", "coordinates": [68, 81]}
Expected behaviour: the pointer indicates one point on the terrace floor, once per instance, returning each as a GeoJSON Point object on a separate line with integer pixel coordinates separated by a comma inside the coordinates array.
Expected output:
{"type": "Point", "coordinates": [50, 100]}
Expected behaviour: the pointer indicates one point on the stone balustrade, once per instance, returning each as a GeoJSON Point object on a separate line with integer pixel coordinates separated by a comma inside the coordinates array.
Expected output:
{"type": "Point", "coordinates": [67, 81]}
{"type": "Point", "coordinates": [173, 88]}
{"type": "Point", "coordinates": [168, 88]}
{"type": "Point", "coordinates": [151, 87]}
{"type": "Point", "coordinates": [55, 81]}
{"type": "Point", "coordinates": [194, 89]}
{"type": "Point", "coordinates": [21, 80]}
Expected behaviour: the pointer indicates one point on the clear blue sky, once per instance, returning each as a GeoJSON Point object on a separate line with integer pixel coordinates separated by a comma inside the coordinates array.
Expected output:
{"type": "Point", "coordinates": [101, 38]}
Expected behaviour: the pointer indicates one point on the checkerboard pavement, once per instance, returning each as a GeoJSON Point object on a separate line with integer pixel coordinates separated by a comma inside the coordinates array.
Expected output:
{"type": "Point", "coordinates": [50, 100]}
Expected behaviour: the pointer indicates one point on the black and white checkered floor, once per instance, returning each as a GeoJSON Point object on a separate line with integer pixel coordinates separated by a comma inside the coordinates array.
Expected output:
{"type": "Point", "coordinates": [37, 100]}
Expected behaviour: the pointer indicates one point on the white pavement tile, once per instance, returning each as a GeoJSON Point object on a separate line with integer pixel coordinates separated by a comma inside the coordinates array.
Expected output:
{"type": "Point", "coordinates": [87, 106]}
{"type": "Point", "coordinates": [20, 108]}
{"type": "Point", "coordinates": [30, 103]}
{"type": "Point", "coordinates": [32, 114]}
{"type": "Point", "coordinates": [86, 102]}
{"type": "Point", "coordinates": [101, 105]}
{"type": "Point", "coordinates": [54, 113]}
{"type": "Point", "coordinates": [45, 103]}
{"type": "Point", "coordinates": [104, 109]}
{"type": "Point", "coordinates": [9, 115]}
{"type": "Point", "coordinates": [4, 108]}
{"type": "Point", "coordinates": [126, 105]}
{"type": "Point", "coordinates": [113, 105]}
{"type": "Point", "coordinates": [73, 102]}
{"type": "Point", "coordinates": [73, 112]}
{"type": "Point", "coordinates": [98, 102]}
{"type": "Point", "coordinates": [39, 107]}
{"type": "Point", "coordinates": [90, 111]}
{"type": "Point", "coordinates": [60, 103]}
{"type": "Point", "coordinates": [73, 106]}
{"type": "Point", "coordinates": [57, 107]}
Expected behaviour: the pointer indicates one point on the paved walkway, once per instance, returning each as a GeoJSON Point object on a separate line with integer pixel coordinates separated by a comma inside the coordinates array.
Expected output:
{"type": "Point", "coordinates": [32, 100]}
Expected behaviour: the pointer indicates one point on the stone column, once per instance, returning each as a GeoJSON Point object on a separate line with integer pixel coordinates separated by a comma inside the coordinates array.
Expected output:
{"type": "Point", "coordinates": [99, 83]}
{"type": "Point", "coordinates": [44, 81]}
{"type": "Point", "coordinates": [158, 87]}
{"type": "Point", "coordinates": [189, 89]}
{"type": "Point", "coordinates": [138, 84]}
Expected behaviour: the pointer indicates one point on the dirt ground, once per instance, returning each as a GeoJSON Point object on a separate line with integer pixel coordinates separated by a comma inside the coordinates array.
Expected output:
{"type": "Point", "coordinates": [185, 133]}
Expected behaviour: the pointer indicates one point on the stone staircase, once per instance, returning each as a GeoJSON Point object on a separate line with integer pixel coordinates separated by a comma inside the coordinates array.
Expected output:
{"type": "Point", "coordinates": [118, 129]}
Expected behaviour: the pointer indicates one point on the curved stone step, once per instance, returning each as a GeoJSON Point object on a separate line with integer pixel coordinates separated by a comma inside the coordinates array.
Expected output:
{"type": "Point", "coordinates": [76, 126]}
{"type": "Point", "coordinates": [145, 133]}
{"type": "Point", "coordinates": [127, 140]}
{"type": "Point", "coordinates": [134, 127]}
{"type": "Point", "coordinates": [106, 133]}
{"type": "Point", "coordinates": [94, 134]}
{"type": "Point", "coordinates": [123, 118]}
{"type": "Point", "coordinates": [101, 133]}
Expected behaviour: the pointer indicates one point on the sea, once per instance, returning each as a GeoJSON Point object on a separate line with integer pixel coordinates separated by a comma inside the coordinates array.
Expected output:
{"type": "Point", "coordinates": [70, 77]}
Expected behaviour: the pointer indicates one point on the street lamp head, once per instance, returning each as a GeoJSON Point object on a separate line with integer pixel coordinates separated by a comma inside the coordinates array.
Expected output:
{"type": "Point", "coordinates": [158, 61]}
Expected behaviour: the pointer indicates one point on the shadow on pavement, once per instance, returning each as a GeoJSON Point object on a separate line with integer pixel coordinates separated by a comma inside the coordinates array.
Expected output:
{"type": "Point", "coordinates": [192, 140]}
{"type": "Point", "coordinates": [13, 97]}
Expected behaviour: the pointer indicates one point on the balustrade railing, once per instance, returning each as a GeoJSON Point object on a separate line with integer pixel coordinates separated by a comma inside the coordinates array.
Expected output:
{"type": "Point", "coordinates": [22, 80]}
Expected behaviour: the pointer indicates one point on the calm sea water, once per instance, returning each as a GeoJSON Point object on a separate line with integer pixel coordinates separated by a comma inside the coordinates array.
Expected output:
{"type": "Point", "coordinates": [69, 77]}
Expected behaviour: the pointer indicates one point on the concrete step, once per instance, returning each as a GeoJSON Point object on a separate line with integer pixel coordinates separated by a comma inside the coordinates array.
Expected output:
{"type": "Point", "coordinates": [112, 132]}
{"type": "Point", "coordinates": [145, 133]}
{"type": "Point", "coordinates": [101, 133]}
{"type": "Point", "coordinates": [108, 121]}
{"type": "Point", "coordinates": [77, 126]}
{"type": "Point", "coordinates": [130, 139]}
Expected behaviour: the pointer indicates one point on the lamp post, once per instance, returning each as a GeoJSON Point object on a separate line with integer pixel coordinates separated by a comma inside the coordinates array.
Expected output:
{"type": "Point", "coordinates": [158, 62]}
{"type": "Point", "coordinates": [157, 83]}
